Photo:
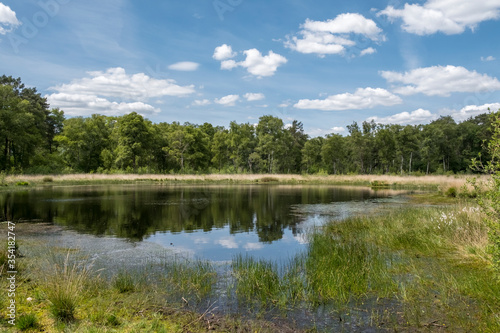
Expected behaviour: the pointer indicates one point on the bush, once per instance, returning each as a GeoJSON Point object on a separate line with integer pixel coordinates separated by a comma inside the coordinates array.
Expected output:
{"type": "Point", "coordinates": [451, 192]}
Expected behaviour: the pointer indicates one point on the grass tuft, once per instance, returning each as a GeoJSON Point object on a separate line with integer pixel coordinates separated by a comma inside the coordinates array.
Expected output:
{"type": "Point", "coordinates": [64, 288]}
{"type": "Point", "coordinates": [124, 282]}
{"type": "Point", "coordinates": [27, 322]}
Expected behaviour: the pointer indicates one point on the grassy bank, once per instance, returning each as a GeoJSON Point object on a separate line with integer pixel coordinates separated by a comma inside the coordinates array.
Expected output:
{"type": "Point", "coordinates": [441, 183]}
{"type": "Point", "coordinates": [412, 270]}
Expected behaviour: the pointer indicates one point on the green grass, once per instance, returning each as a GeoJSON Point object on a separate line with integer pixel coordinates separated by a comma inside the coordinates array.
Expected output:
{"type": "Point", "coordinates": [190, 277]}
{"type": "Point", "coordinates": [415, 269]}
{"type": "Point", "coordinates": [124, 282]}
{"type": "Point", "coordinates": [27, 322]}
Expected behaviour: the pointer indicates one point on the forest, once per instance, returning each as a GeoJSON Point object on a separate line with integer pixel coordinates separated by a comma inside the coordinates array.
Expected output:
{"type": "Point", "coordinates": [35, 139]}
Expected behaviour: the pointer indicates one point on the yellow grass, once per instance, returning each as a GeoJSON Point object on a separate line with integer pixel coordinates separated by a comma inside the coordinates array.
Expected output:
{"type": "Point", "coordinates": [443, 182]}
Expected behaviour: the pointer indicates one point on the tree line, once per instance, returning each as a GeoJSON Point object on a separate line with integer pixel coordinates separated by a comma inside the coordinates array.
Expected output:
{"type": "Point", "coordinates": [37, 139]}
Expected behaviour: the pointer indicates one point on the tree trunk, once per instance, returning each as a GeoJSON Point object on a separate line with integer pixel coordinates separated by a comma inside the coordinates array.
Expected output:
{"type": "Point", "coordinates": [411, 157]}
{"type": "Point", "coordinates": [401, 168]}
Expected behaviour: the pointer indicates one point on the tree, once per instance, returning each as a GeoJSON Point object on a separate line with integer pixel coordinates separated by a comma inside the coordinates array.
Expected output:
{"type": "Point", "coordinates": [333, 153]}
{"type": "Point", "coordinates": [133, 142]}
{"type": "Point", "coordinates": [311, 155]}
{"type": "Point", "coordinates": [269, 136]}
{"type": "Point", "coordinates": [489, 200]}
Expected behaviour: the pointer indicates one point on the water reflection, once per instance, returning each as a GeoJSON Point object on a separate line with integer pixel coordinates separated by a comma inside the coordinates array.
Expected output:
{"type": "Point", "coordinates": [211, 221]}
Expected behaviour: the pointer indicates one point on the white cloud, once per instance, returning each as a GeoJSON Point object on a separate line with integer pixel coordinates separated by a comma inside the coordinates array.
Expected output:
{"type": "Point", "coordinates": [115, 82]}
{"type": "Point", "coordinates": [363, 98]}
{"type": "Point", "coordinates": [415, 117]}
{"type": "Point", "coordinates": [228, 243]}
{"type": "Point", "coordinates": [228, 64]}
{"type": "Point", "coordinates": [255, 63]}
{"type": "Point", "coordinates": [474, 110]}
{"type": "Point", "coordinates": [259, 65]}
{"type": "Point", "coordinates": [8, 19]}
{"type": "Point", "coordinates": [366, 51]}
{"type": "Point", "coordinates": [446, 16]}
{"type": "Point", "coordinates": [113, 92]}
{"type": "Point", "coordinates": [223, 52]}
{"type": "Point", "coordinates": [202, 102]}
{"type": "Point", "coordinates": [441, 81]}
{"type": "Point", "coordinates": [187, 66]}
{"type": "Point", "coordinates": [229, 100]}
{"type": "Point", "coordinates": [85, 105]}
{"type": "Point", "coordinates": [254, 96]}
{"type": "Point", "coordinates": [338, 129]}
{"type": "Point", "coordinates": [332, 36]}
{"type": "Point", "coordinates": [488, 58]}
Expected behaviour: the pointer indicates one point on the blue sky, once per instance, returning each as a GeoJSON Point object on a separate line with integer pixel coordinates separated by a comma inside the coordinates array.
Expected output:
{"type": "Point", "coordinates": [324, 63]}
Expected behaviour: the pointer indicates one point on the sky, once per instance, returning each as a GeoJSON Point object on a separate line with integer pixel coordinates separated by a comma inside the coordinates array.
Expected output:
{"type": "Point", "coordinates": [324, 63]}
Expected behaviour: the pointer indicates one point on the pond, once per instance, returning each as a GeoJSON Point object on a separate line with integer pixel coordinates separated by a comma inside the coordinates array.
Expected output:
{"type": "Point", "coordinates": [213, 222]}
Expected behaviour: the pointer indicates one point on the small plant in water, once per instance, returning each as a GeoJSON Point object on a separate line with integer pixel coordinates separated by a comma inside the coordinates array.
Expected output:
{"type": "Point", "coordinates": [124, 282]}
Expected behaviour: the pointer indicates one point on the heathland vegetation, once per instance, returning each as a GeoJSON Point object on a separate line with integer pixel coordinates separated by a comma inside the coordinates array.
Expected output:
{"type": "Point", "coordinates": [35, 139]}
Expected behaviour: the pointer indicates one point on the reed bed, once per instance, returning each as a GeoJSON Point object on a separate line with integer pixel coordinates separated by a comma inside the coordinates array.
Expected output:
{"type": "Point", "coordinates": [441, 182]}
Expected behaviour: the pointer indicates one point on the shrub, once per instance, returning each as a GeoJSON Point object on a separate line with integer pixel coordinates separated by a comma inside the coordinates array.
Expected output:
{"type": "Point", "coordinates": [451, 192]}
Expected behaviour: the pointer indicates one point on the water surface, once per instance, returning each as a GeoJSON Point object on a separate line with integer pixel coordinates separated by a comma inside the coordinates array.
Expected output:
{"type": "Point", "coordinates": [210, 222]}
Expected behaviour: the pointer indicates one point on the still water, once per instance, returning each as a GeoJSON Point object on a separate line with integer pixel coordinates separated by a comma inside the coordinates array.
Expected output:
{"type": "Point", "coordinates": [211, 222]}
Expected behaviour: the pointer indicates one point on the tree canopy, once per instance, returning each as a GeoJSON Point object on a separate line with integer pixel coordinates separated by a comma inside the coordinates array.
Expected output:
{"type": "Point", "coordinates": [37, 139]}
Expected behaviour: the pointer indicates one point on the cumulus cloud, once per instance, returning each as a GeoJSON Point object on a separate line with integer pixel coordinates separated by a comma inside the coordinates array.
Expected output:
{"type": "Point", "coordinates": [186, 66]}
{"type": "Point", "coordinates": [366, 51]}
{"type": "Point", "coordinates": [446, 16]}
{"type": "Point", "coordinates": [419, 116]}
{"type": "Point", "coordinates": [363, 98]}
{"type": "Point", "coordinates": [8, 19]}
{"type": "Point", "coordinates": [474, 110]}
{"type": "Point", "coordinates": [333, 36]}
{"type": "Point", "coordinates": [223, 52]}
{"type": "Point", "coordinates": [488, 58]}
{"type": "Point", "coordinates": [114, 92]}
{"type": "Point", "coordinates": [337, 129]}
{"type": "Point", "coordinates": [440, 81]}
{"type": "Point", "coordinates": [229, 100]}
{"type": "Point", "coordinates": [254, 96]}
{"type": "Point", "coordinates": [202, 102]}
{"type": "Point", "coordinates": [85, 105]}
{"type": "Point", "coordinates": [255, 63]}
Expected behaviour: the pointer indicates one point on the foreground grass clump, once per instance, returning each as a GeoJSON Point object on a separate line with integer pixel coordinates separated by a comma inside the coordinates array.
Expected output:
{"type": "Point", "coordinates": [27, 322]}
{"type": "Point", "coordinates": [64, 287]}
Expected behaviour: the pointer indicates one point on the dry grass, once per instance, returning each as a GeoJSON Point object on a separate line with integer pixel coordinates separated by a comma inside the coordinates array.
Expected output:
{"type": "Point", "coordinates": [442, 182]}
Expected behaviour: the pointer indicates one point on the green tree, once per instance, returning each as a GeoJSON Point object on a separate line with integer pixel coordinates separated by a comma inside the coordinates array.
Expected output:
{"type": "Point", "coordinates": [489, 200]}
{"type": "Point", "coordinates": [269, 137]}
{"type": "Point", "coordinates": [133, 146]}
{"type": "Point", "coordinates": [333, 153]}
{"type": "Point", "coordinates": [311, 155]}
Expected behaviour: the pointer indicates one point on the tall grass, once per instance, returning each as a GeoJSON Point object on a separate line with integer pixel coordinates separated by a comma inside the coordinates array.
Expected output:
{"type": "Point", "coordinates": [64, 288]}
{"type": "Point", "coordinates": [190, 277]}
